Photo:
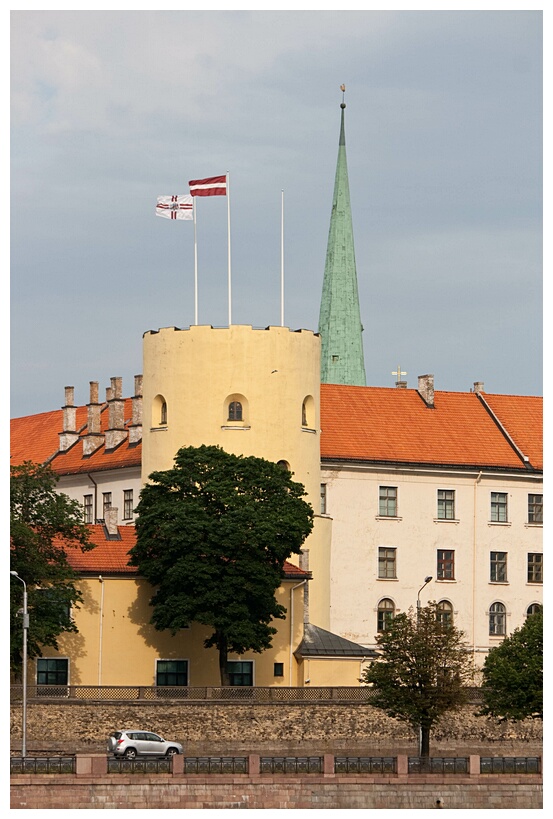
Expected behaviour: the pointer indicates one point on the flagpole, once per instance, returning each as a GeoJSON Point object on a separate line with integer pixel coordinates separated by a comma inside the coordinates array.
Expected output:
{"type": "Point", "coordinates": [282, 260]}
{"type": "Point", "coordinates": [195, 262]}
{"type": "Point", "coordinates": [229, 268]}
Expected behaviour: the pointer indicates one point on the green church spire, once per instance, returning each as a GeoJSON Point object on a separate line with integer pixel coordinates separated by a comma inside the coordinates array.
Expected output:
{"type": "Point", "coordinates": [340, 325]}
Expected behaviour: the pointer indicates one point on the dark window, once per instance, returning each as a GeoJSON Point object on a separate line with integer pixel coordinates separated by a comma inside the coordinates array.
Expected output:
{"type": "Point", "coordinates": [533, 609]}
{"type": "Point", "coordinates": [51, 671]}
{"type": "Point", "coordinates": [497, 619]}
{"type": "Point", "coordinates": [87, 505]}
{"type": "Point", "coordinates": [498, 567]}
{"type": "Point", "coordinates": [106, 499]}
{"type": "Point", "coordinates": [385, 614]}
{"type": "Point", "coordinates": [535, 508]}
{"type": "Point", "coordinates": [323, 499]}
{"type": "Point", "coordinates": [235, 411]}
{"type": "Point", "coordinates": [444, 613]}
{"type": "Point", "coordinates": [446, 564]}
{"type": "Point", "coordinates": [279, 670]}
{"type": "Point", "coordinates": [386, 562]}
{"type": "Point", "coordinates": [240, 672]}
{"type": "Point", "coordinates": [304, 414]}
{"type": "Point", "coordinates": [535, 568]}
{"type": "Point", "coordinates": [446, 504]}
{"type": "Point", "coordinates": [387, 501]}
{"type": "Point", "coordinates": [498, 507]}
{"type": "Point", "coordinates": [163, 414]}
{"type": "Point", "coordinates": [127, 504]}
{"type": "Point", "coordinates": [172, 672]}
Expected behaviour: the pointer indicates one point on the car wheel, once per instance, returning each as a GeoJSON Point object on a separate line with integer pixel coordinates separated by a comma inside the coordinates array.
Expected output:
{"type": "Point", "coordinates": [130, 753]}
{"type": "Point", "coordinates": [171, 752]}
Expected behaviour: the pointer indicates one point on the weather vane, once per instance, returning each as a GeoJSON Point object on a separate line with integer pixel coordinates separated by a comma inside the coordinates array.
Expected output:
{"type": "Point", "coordinates": [343, 90]}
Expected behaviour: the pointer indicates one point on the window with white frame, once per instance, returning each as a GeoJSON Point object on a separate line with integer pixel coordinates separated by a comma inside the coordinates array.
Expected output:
{"type": "Point", "coordinates": [387, 567]}
{"type": "Point", "coordinates": [498, 567]}
{"type": "Point", "coordinates": [498, 509]}
{"type": "Point", "coordinates": [446, 504]}
{"type": "Point", "coordinates": [106, 502]}
{"type": "Point", "coordinates": [498, 619]}
{"type": "Point", "coordinates": [88, 508]}
{"type": "Point", "coordinates": [385, 614]}
{"type": "Point", "coordinates": [323, 499]}
{"type": "Point", "coordinates": [535, 508]}
{"type": "Point", "coordinates": [127, 504]}
{"type": "Point", "coordinates": [387, 501]}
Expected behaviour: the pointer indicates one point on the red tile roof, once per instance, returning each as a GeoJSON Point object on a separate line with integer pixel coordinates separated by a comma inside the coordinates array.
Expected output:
{"type": "Point", "coordinates": [358, 423]}
{"type": "Point", "coordinates": [35, 438]}
{"type": "Point", "coordinates": [395, 425]}
{"type": "Point", "coordinates": [111, 556]}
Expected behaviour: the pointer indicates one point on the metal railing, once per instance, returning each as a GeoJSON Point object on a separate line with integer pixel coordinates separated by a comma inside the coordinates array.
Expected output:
{"type": "Point", "coordinates": [215, 764]}
{"type": "Point", "coordinates": [510, 764]}
{"type": "Point", "coordinates": [139, 766]}
{"type": "Point", "coordinates": [291, 764]}
{"type": "Point", "coordinates": [438, 764]}
{"type": "Point", "coordinates": [42, 764]}
{"type": "Point", "coordinates": [235, 694]}
{"type": "Point", "coordinates": [365, 764]}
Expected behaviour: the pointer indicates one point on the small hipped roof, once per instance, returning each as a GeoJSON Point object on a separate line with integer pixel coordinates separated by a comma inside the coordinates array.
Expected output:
{"type": "Point", "coordinates": [317, 642]}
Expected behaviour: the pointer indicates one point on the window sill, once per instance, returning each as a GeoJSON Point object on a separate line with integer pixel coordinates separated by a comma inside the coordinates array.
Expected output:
{"type": "Point", "coordinates": [531, 525]}
{"type": "Point", "coordinates": [241, 427]}
{"type": "Point", "coordinates": [388, 517]}
{"type": "Point", "coordinates": [158, 429]}
{"type": "Point", "coordinates": [307, 429]}
{"type": "Point", "coordinates": [388, 579]}
{"type": "Point", "coordinates": [498, 582]}
{"type": "Point", "coordinates": [445, 580]}
{"type": "Point", "coordinates": [446, 520]}
{"type": "Point", "coordinates": [534, 582]}
{"type": "Point", "coordinates": [499, 523]}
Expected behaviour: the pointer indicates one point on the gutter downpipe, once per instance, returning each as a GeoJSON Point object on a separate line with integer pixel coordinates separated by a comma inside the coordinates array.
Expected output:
{"type": "Point", "coordinates": [476, 482]}
{"type": "Point", "coordinates": [95, 497]}
{"type": "Point", "coordinates": [101, 579]}
{"type": "Point", "coordinates": [303, 582]}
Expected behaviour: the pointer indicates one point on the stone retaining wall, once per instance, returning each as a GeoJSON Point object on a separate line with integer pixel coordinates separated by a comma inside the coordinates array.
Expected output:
{"type": "Point", "coordinates": [218, 729]}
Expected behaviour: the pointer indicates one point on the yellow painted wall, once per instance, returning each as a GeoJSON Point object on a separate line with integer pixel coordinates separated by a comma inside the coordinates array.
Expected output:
{"type": "Point", "coordinates": [116, 645]}
{"type": "Point", "coordinates": [274, 373]}
{"type": "Point", "coordinates": [330, 671]}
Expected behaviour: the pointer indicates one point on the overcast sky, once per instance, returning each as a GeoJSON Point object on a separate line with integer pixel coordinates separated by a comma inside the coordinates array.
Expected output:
{"type": "Point", "coordinates": [444, 142]}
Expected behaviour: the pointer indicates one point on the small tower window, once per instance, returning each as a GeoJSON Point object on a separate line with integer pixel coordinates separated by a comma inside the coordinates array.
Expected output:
{"type": "Point", "coordinates": [163, 414]}
{"type": "Point", "coordinates": [235, 411]}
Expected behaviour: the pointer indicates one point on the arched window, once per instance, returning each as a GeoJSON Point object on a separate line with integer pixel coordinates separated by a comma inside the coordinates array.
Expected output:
{"type": "Point", "coordinates": [498, 616]}
{"type": "Point", "coordinates": [163, 414]}
{"type": "Point", "coordinates": [534, 608]}
{"type": "Point", "coordinates": [308, 412]}
{"type": "Point", "coordinates": [159, 411]}
{"type": "Point", "coordinates": [284, 465]}
{"type": "Point", "coordinates": [235, 411]}
{"type": "Point", "coordinates": [444, 613]}
{"type": "Point", "coordinates": [385, 615]}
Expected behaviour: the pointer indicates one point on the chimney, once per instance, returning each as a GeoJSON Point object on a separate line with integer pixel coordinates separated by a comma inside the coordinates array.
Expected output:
{"type": "Point", "coordinates": [94, 439]}
{"type": "Point", "coordinates": [478, 387]}
{"type": "Point", "coordinates": [69, 435]}
{"type": "Point", "coordinates": [116, 432]}
{"type": "Point", "coordinates": [426, 389]}
{"type": "Point", "coordinates": [111, 517]}
{"type": "Point", "coordinates": [135, 429]}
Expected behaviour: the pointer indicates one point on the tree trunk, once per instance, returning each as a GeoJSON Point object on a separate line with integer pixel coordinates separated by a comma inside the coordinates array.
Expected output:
{"type": "Point", "coordinates": [424, 750]}
{"type": "Point", "coordinates": [223, 652]}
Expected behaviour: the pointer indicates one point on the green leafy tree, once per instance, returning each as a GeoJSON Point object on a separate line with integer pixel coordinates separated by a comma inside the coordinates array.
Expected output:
{"type": "Point", "coordinates": [422, 671]}
{"type": "Point", "coordinates": [44, 524]}
{"type": "Point", "coordinates": [513, 673]}
{"type": "Point", "coordinates": [213, 533]}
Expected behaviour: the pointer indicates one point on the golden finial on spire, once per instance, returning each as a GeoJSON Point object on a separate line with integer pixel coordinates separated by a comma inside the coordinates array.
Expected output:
{"type": "Point", "coordinates": [343, 90]}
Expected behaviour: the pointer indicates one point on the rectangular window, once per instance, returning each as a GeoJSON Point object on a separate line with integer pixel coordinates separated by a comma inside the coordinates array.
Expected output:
{"type": "Point", "coordinates": [498, 507]}
{"type": "Point", "coordinates": [52, 671]}
{"type": "Point", "coordinates": [387, 502]}
{"type": "Point", "coordinates": [386, 562]}
{"type": "Point", "coordinates": [323, 499]}
{"type": "Point", "coordinates": [446, 564]}
{"type": "Point", "coordinates": [535, 508]}
{"type": "Point", "coordinates": [446, 504]}
{"type": "Point", "coordinates": [87, 506]}
{"type": "Point", "coordinates": [240, 672]}
{"type": "Point", "coordinates": [127, 504]}
{"type": "Point", "coordinates": [172, 672]}
{"type": "Point", "coordinates": [106, 499]}
{"type": "Point", "coordinates": [535, 568]}
{"type": "Point", "coordinates": [498, 567]}
{"type": "Point", "coordinates": [279, 670]}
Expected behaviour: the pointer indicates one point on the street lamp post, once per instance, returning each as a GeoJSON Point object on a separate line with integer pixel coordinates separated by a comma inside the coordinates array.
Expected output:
{"type": "Point", "coordinates": [426, 582]}
{"type": "Point", "coordinates": [25, 629]}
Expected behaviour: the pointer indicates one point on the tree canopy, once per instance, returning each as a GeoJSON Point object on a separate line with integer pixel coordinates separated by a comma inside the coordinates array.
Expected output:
{"type": "Point", "coordinates": [422, 670]}
{"type": "Point", "coordinates": [213, 533]}
{"type": "Point", "coordinates": [513, 673]}
{"type": "Point", "coordinates": [44, 524]}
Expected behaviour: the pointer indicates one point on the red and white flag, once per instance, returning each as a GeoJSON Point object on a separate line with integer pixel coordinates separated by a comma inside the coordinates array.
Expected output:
{"type": "Point", "coordinates": [175, 207]}
{"type": "Point", "coordinates": [212, 186]}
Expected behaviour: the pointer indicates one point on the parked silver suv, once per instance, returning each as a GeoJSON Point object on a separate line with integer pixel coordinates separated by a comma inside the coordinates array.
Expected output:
{"type": "Point", "coordinates": [130, 744]}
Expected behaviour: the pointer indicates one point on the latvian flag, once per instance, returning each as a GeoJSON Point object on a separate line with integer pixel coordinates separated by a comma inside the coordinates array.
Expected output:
{"type": "Point", "coordinates": [213, 186]}
{"type": "Point", "coordinates": [175, 207]}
